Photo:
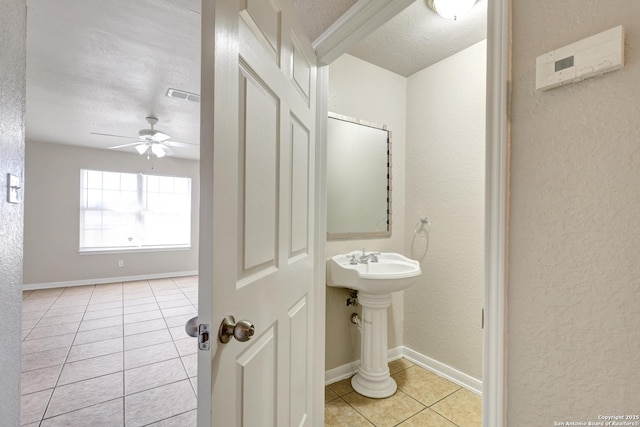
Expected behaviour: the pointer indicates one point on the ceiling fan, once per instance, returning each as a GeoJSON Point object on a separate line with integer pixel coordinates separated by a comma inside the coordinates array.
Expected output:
{"type": "Point", "coordinates": [150, 141]}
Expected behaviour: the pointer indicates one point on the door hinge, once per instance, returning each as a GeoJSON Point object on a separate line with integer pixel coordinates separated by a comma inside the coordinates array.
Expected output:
{"type": "Point", "coordinates": [203, 336]}
{"type": "Point", "coordinates": [482, 325]}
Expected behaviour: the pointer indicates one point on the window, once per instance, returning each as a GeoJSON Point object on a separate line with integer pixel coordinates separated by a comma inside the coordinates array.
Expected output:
{"type": "Point", "coordinates": [129, 211]}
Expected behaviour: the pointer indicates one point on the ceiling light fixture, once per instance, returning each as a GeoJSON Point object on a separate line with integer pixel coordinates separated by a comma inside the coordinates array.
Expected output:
{"type": "Point", "coordinates": [451, 9]}
{"type": "Point", "coordinates": [158, 150]}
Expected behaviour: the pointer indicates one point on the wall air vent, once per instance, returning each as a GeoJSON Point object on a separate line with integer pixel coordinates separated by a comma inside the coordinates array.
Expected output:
{"type": "Point", "coordinates": [181, 94]}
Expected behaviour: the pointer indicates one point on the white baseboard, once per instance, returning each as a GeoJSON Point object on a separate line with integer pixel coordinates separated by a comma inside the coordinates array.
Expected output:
{"type": "Point", "coordinates": [49, 285]}
{"type": "Point", "coordinates": [445, 371]}
{"type": "Point", "coordinates": [463, 380]}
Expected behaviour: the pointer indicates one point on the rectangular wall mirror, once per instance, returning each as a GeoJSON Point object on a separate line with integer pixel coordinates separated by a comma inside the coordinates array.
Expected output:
{"type": "Point", "coordinates": [358, 179]}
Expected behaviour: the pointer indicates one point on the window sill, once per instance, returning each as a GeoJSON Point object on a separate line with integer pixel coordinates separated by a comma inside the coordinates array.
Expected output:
{"type": "Point", "coordinates": [137, 249]}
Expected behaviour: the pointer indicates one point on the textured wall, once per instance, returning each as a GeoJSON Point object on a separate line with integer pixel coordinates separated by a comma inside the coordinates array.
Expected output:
{"type": "Point", "coordinates": [445, 182]}
{"type": "Point", "coordinates": [574, 263]}
{"type": "Point", "coordinates": [52, 201]}
{"type": "Point", "coordinates": [363, 91]}
{"type": "Point", "coordinates": [12, 106]}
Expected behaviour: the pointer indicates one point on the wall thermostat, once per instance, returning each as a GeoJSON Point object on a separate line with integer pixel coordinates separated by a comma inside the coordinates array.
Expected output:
{"type": "Point", "coordinates": [595, 55]}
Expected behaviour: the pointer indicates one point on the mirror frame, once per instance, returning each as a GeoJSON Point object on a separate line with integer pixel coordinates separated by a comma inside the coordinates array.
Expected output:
{"type": "Point", "coordinates": [370, 234]}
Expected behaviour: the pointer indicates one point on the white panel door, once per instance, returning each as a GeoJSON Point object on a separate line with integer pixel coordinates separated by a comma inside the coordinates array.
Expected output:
{"type": "Point", "coordinates": [256, 221]}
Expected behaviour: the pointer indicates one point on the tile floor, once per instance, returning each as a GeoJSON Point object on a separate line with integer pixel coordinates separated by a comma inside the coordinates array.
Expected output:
{"type": "Point", "coordinates": [110, 355]}
{"type": "Point", "coordinates": [117, 355]}
{"type": "Point", "coordinates": [423, 399]}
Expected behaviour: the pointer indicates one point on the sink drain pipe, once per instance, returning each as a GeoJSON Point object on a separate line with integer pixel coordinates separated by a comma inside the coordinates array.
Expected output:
{"type": "Point", "coordinates": [355, 319]}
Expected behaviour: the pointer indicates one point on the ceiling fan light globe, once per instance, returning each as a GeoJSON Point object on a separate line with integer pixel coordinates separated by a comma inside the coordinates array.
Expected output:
{"type": "Point", "coordinates": [158, 151]}
{"type": "Point", "coordinates": [160, 136]}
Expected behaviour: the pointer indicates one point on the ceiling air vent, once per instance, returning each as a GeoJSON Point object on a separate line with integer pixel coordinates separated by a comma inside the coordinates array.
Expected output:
{"type": "Point", "coordinates": [181, 94]}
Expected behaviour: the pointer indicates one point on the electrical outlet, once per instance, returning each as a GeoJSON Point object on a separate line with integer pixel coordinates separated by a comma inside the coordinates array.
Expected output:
{"type": "Point", "coordinates": [121, 263]}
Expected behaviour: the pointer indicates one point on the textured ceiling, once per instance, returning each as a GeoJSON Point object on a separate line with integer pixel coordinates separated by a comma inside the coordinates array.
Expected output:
{"type": "Point", "coordinates": [97, 66]}
{"type": "Point", "coordinates": [318, 15]}
{"type": "Point", "coordinates": [103, 66]}
{"type": "Point", "coordinates": [417, 37]}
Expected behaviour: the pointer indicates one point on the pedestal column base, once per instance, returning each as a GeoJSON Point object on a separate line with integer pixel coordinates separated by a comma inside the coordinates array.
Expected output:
{"type": "Point", "coordinates": [373, 379]}
{"type": "Point", "coordinates": [378, 387]}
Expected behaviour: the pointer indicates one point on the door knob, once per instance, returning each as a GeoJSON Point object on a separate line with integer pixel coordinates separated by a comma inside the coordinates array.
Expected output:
{"type": "Point", "coordinates": [191, 327]}
{"type": "Point", "coordinates": [242, 330]}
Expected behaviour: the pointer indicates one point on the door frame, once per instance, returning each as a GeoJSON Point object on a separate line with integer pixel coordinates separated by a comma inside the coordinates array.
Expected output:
{"type": "Point", "coordinates": [363, 18]}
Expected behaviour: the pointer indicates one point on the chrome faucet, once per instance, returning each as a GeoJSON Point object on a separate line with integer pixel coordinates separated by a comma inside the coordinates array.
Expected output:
{"type": "Point", "coordinates": [366, 257]}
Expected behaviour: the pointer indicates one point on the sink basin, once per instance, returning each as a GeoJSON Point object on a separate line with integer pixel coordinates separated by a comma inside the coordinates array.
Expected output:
{"type": "Point", "coordinates": [393, 272]}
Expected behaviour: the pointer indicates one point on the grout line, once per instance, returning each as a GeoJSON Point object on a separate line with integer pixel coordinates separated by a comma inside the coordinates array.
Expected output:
{"type": "Point", "coordinates": [174, 342]}
{"type": "Point", "coordinates": [67, 355]}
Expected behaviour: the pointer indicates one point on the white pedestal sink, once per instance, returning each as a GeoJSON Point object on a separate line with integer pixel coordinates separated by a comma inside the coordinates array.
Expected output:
{"type": "Point", "coordinates": [374, 281]}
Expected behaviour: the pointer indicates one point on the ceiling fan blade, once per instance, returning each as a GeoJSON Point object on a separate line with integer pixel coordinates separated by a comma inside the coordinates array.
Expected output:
{"type": "Point", "coordinates": [159, 136]}
{"type": "Point", "coordinates": [142, 148]}
{"type": "Point", "coordinates": [124, 145]}
{"type": "Point", "coordinates": [179, 144]}
{"type": "Point", "coordinates": [113, 136]}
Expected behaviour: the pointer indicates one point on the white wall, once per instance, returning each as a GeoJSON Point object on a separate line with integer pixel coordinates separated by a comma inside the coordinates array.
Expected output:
{"type": "Point", "coordinates": [445, 182]}
{"type": "Point", "coordinates": [12, 104]}
{"type": "Point", "coordinates": [361, 90]}
{"type": "Point", "coordinates": [574, 239]}
{"type": "Point", "coordinates": [52, 202]}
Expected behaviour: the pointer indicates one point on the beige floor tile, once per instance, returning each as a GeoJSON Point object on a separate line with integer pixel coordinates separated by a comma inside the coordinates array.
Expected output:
{"type": "Point", "coordinates": [39, 379]}
{"type": "Point", "coordinates": [179, 301]}
{"type": "Point", "coordinates": [154, 375]}
{"type": "Point", "coordinates": [177, 320]}
{"type": "Point", "coordinates": [151, 354]}
{"type": "Point", "coordinates": [104, 305]}
{"type": "Point", "coordinates": [30, 323]}
{"type": "Point", "coordinates": [188, 419]}
{"type": "Point", "coordinates": [159, 403]}
{"type": "Point", "coordinates": [107, 414]}
{"type": "Point", "coordinates": [140, 327]}
{"type": "Point", "coordinates": [91, 368]}
{"type": "Point", "coordinates": [341, 387]}
{"type": "Point", "coordinates": [66, 310]}
{"type": "Point", "coordinates": [62, 318]}
{"type": "Point", "coordinates": [101, 314]}
{"type": "Point", "coordinates": [82, 394]}
{"type": "Point", "coordinates": [48, 343]}
{"type": "Point", "coordinates": [178, 311]}
{"type": "Point", "coordinates": [329, 394]}
{"type": "Point", "coordinates": [71, 301]}
{"type": "Point", "coordinates": [463, 408]}
{"type": "Point", "coordinates": [132, 342]}
{"type": "Point", "coordinates": [169, 295]}
{"type": "Point", "coordinates": [399, 365]}
{"type": "Point", "coordinates": [178, 332]}
{"type": "Point", "coordinates": [33, 406]}
{"type": "Point", "coordinates": [95, 349]}
{"type": "Point", "coordinates": [194, 384]}
{"type": "Point", "coordinates": [53, 331]}
{"type": "Point", "coordinates": [337, 413]}
{"type": "Point", "coordinates": [37, 305]}
{"type": "Point", "coordinates": [191, 364]}
{"type": "Point", "coordinates": [43, 359]}
{"type": "Point", "coordinates": [384, 412]}
{"type": "Point", "coordinates": [149, 299]}
{"type": "Point", "coordinates": [424, 386]}
{"type": "Point", "coordinates": [427, 418]}
{"type": "Point", "coordinates": [142, 316]}
{"type": "Point", "coordinates": [45, 293]}
{"type": "Point", "coordinates": [140, 300]}
{"type": "Point", "coordinates": [105, 322]}
{"type": "Point", "coordinates": [187, 346]}
{"type": "Point", "coordinates": [98, 335]}
{"type": "Point", "coordinates": [140, 308]}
